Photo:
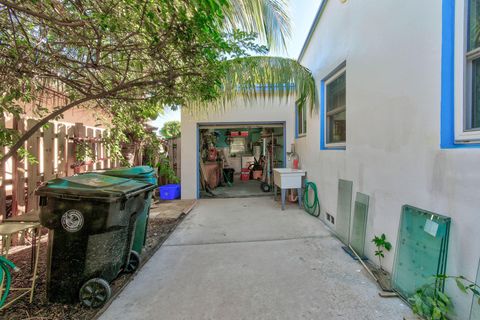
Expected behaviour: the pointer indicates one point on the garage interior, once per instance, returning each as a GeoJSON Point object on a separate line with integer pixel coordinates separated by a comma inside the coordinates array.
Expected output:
{"type": "Point", "coordinates": [236, 161]}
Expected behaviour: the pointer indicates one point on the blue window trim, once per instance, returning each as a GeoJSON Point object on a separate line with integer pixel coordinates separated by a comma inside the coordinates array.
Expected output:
{"type": "Point", "coordinates": [447, 113]}
{"type": "Point", "coordinates": [322, 120]}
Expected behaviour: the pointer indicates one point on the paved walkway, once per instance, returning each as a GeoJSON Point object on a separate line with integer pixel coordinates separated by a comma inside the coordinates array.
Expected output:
{"type": "Point", "coordinates": [246, 259]}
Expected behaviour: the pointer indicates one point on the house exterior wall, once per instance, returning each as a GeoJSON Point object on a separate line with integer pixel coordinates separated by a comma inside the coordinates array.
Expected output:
{"type": "Point", "coordinates": [393, 54]}
{"type": "Point", "coordinates": [240, 111]}
{"type": "Point", "coordinates": [51, 99]}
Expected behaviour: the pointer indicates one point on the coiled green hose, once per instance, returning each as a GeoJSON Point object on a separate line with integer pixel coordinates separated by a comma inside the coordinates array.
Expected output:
{"type": "Point", "coordinates": [5, 274]}
{"type": "Point", "coordinates": [313, 208]}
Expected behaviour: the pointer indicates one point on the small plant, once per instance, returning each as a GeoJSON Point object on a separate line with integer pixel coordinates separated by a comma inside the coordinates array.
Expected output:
{"type": "Point", "coordinates": [382, 244]}
{"type": "Point", "coordinates": [165, 171]}
{"type": "Point", "coordinates": [432, 303]}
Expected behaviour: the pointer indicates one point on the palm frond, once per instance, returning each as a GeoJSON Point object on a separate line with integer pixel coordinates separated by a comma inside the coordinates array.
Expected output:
{"type": "Point", "coordinates": [269, 18]}
{"type": "Point", "coordinates": [261, 77]}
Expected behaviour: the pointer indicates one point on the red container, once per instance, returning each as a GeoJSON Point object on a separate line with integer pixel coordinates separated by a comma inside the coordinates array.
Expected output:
{"type": "Point", "coordinates": [245, 176]}
{"type": "Point", "coordinates": [234, 133]}
{"type": "Point", "coordinates": [244, 133]}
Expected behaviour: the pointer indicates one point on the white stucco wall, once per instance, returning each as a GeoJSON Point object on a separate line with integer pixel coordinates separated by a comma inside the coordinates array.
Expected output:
{"type": "Point", "coordinates": [392, 51]}
{"type": "Point", "coordinates": [240, 111]}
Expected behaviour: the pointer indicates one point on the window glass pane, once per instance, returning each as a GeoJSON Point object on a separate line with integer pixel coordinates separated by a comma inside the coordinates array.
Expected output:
{"type": "Point", "coordinates": [302, 119]}
{"type": "Point", "coordinates": [336, 127]}
{"type": "Point", "coordinates": [475, 117]}
{"type": "Point", "coordinates": [336, 93]}
{"type": "Point", "coordinates": [299, 119]}
{"type": "Point", "coordinates": [474, 25]}
{"type": "Point", "coordinates": [305, 119]}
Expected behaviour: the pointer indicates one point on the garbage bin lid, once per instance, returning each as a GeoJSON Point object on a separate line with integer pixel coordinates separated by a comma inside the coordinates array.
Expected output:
{"type": "Point", "coordinates": [132, 173]}
{"type": "Point", "coordinates": [93, 186]}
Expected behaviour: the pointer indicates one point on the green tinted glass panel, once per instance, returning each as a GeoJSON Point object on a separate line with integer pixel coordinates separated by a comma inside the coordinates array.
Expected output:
{"type": "Point", "coordinates": [474, 25]}
{"type": "Point", "coordinates": [344, 209]}
{"type": "Point", "coordinates": [421, 249]}
{"type": "Point", "coordinates": [475, 313]}
{"type": "Point", "coordinates": [359, 223]}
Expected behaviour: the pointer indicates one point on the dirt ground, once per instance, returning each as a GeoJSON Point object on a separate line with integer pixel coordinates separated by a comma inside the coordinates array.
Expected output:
{"type": "Point", "coordinates": [164, 217]}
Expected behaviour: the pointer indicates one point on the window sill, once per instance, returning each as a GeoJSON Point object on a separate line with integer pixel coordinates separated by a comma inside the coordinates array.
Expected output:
{"type": "Point", "coordinates": [303, 135]}
{"type": "Point", "coordinates": [335, 146]}
{"type": "Point", "coordinates": [467, 137]}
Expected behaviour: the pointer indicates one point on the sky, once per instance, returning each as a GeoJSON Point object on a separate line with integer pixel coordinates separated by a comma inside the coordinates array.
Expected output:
{"type": "Point", "coordinates": [302, 13]}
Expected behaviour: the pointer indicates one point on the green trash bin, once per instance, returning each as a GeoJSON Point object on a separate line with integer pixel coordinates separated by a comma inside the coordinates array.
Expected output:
{"type": "Point", "coordinates": [92, 219]}
{"type": "Point", "coordinates": [143, 174]}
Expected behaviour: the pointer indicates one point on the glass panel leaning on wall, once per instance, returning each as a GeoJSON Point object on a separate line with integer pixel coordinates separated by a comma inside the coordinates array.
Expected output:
{"type": "Point", "coordinates": [359, 223]}
{"type": "Point", "coordinates": [475, 311]}
{"type": "Point", "coordinates": [344, 209]}
{"type": "Point", "coordinates": [422, 248]}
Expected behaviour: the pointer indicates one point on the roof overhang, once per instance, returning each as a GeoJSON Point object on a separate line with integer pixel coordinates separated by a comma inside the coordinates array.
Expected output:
{"type": "Point", "coordinates": [320, 11]}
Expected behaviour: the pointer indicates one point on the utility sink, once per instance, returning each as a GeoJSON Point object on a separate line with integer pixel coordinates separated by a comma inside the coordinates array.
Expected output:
{"type": "Point", "coordinates": [286, 178]}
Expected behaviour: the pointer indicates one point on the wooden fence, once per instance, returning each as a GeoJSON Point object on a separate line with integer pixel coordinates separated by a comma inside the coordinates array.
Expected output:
{"type": "Point", "coordinates": [173, 147]}
{"type": "Point", "coordinates": [55, 149]}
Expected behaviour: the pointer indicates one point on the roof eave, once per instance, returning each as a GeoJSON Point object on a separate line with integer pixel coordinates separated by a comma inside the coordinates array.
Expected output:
{"type": "Point", "coordinates": [312, 29]}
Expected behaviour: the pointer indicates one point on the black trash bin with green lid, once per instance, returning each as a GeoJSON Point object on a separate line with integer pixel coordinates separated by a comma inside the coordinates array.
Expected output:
{"type": "Point", "coordinates": [144, 174]}
{"type": "Point", "coordinates": [91, 218]}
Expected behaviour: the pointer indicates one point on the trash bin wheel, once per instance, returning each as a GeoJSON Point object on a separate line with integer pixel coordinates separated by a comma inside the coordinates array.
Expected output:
{"type": "Point", "coordinates": [95, 293]}
{"type": "Point", "coordinates": [265, 187]}
{"type": "Point", "coordinates": [133, 262]}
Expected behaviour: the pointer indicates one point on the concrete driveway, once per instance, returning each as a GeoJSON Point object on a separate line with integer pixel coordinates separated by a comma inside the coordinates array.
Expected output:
{"type": "Point", "coordinates": [247, 259]}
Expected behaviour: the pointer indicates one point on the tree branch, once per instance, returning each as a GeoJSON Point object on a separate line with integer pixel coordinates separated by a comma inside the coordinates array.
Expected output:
{"type": "Point", "coordinates": [13, 6]}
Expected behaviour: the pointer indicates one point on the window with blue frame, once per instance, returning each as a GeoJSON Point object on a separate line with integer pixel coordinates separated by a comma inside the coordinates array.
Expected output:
{"type": "Point", "coordinates": [460, 99]}
{"type": "Point", "coordinates": [336, 109]}
{"type": "Point", "coordinates": [301, 120]}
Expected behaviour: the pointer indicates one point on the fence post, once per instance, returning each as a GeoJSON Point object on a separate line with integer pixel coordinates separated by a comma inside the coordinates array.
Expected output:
{"type": "Point", "coordinates": [33, 168]}
{"type": "Point", "coordinates": [91, 143]}
{"type": "Point", "coordinates": [80, 135]}
{"type": "Point", "coordinates": [18, 175]}
{"type": "Point", "coordinates": [70, 157]}
{"type": "Point", "coordinates": [48, 145]}
{"type": "Point", "coordinates": [61, 150]}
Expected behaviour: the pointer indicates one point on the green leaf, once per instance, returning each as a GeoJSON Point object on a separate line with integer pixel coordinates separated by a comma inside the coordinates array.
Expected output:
{"type": "Point", "coordinates": [443, 297]}
{"type": "Point", "coordinates": [388, 246]}
{"type": "Point", "coordinates": [475, 291]}
{"type": "Point", "coordinates": [436, 314]}
{"type": "Point", "coordinates": [460, 285]}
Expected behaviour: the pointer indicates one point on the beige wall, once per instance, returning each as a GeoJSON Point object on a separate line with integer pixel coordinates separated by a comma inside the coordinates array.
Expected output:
{"type": "Point", "coordinates": [53, 99]}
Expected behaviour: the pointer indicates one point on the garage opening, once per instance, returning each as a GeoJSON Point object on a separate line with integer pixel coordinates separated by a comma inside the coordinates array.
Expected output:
{"type": "Point", "coordinates": [236, 160]}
